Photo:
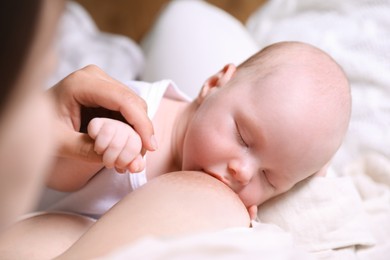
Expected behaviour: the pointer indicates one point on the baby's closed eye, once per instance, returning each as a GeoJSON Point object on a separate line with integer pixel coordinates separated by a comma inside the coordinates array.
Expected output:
{"type": "Point", "coordinates": [239, 136]}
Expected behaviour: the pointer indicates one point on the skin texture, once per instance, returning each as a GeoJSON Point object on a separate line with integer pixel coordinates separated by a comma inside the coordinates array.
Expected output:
{"type": "Point", "coordinates": [156, 205]}
{"type": "Point", "coordinates": [151, 210]}
{"type": "Point", "coordinates": [42, 236]}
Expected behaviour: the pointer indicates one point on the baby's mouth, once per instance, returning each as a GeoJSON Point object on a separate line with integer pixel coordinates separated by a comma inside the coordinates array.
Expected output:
{"type": "Point", "coordinates": [218, 177]}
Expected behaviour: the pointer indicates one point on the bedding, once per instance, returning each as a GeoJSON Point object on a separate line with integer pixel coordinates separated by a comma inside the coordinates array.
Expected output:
{"type": "Point", "coordinates": [343, 216]}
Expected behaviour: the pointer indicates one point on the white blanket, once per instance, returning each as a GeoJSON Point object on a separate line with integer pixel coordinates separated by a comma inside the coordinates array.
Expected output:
{"type": "Point", "coordinates": [371, 177]}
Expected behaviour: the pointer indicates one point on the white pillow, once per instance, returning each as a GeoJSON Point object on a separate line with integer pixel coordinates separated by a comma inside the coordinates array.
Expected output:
{"type": "Point", "coordinates": [190, 41]}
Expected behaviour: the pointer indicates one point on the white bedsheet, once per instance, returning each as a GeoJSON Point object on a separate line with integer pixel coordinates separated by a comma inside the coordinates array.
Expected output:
{"type": "Point", "coordinates": [263, 242]}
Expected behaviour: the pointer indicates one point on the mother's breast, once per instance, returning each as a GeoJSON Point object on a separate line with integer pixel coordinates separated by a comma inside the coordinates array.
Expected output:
{"type": "Point", "coordinates": [202, 197]}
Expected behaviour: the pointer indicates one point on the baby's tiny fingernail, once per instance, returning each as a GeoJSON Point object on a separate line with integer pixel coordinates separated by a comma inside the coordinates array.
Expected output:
{"type": "Point", "coordinates": [135, 167]}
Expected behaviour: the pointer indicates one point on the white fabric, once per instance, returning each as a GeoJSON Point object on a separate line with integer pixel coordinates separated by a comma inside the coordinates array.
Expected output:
{"type": "Point", "coordinates": [80, 43]}
{"type": "Point", "coordinates": [137, 179]}
{"type": "Point", "coordinates": [371, 176]}
{"type": "Point", "coordinates": [321, 214]}
{"type": "Point", "coordinates": [107, 187]}
{"type": "Point", "coordinates": [264, 242]}
{"type": "Point", "coordinates": [190, 42]}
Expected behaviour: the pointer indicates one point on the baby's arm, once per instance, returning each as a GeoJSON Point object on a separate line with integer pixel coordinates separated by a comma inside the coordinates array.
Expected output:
{"type": "Point", "coordinates": [117, 142]}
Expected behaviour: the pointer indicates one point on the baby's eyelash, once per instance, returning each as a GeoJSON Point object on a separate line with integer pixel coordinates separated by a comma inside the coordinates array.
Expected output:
{"type": "Point", "coordinates": [240, 138]}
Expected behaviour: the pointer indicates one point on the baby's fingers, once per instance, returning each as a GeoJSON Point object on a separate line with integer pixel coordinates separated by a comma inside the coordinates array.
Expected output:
{"type": "Point", "coordinates": [137, 165]}
{"type": "Point", "coordinates": [117, 142]}
{"type": "Point", "coordinates": [131, 155]}
{"type": "Point", "coordinates": [94, 127]}
{"type": "Point", "coordinates": [102, 132]}
{"type": "Point", "coordinates": [115, 148]}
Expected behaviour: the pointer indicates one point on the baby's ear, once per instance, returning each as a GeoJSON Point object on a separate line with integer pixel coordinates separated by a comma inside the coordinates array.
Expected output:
{"type": "Point", "coordinates": [217, 80]}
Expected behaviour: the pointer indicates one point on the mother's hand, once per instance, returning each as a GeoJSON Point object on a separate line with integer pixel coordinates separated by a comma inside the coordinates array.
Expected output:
{"type": "Point", "coordinates": [90, 87]}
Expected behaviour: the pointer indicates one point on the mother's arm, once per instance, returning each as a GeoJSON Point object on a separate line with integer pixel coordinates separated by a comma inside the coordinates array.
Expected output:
{"type": "Point", "coordinates": [172, 204]}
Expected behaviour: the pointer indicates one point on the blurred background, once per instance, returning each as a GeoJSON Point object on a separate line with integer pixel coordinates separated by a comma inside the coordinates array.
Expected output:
{"type": "Point", "coordinates": [133, 18]}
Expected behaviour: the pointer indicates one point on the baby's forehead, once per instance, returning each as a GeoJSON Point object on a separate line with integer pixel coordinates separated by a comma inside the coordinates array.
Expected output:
{"type": "Point", "coordinates": [284, 81]}
{"type": "Point", "coordinates": [298, 59]}
{"type": "Point", "coordinates": [303, 84]}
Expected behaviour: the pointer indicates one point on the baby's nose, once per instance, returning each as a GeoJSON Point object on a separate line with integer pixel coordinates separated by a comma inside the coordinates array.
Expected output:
{"type": "Point", "coordinates": [240, 171]}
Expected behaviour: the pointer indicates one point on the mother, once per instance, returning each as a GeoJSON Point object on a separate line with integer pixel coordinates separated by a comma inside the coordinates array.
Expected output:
{"type": "Point", "coordinates": [36, 126]}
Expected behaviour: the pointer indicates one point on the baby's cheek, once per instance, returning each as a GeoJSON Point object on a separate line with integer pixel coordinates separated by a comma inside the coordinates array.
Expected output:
{"type": "Point", "coordinates": [256, 193]}
{"type": "Point", "coordinates": [201, 150]}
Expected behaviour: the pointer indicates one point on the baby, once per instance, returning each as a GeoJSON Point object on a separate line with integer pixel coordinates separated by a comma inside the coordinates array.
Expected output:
{"type": "Point", "coordinates": [260, 128]}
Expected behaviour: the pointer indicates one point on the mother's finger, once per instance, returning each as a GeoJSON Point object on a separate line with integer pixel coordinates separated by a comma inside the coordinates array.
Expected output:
{"type": "Point", "coordinates": [77, 145]}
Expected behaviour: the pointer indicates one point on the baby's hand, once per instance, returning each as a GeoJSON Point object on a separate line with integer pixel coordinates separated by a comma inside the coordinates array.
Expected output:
{"type": "Point", "coordinates": [119, 144]}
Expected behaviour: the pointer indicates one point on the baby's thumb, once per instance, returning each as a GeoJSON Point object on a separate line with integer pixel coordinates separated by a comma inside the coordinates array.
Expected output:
{"type": "Point", "coordinates": [78, 146]}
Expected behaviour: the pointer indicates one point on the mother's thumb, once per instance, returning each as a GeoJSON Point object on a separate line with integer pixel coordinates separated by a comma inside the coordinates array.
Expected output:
{"type": "Point", "coordinates": [78, 146]}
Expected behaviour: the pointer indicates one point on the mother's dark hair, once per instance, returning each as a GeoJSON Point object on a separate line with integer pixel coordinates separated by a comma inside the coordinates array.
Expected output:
{"type": "Point", "coordinates": [18, 20]}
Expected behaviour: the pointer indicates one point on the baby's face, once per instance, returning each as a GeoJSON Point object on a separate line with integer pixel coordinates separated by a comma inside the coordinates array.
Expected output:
{"type": "Point", "coordinates": [256, 140]}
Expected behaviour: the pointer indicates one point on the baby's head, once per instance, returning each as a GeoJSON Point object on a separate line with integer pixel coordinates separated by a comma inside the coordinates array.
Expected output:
{"type": "Point", "coordinates": [270, 123]}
